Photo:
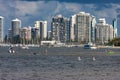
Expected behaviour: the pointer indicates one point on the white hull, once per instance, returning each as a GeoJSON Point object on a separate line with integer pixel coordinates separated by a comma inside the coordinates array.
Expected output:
{"type": "Point", "coordinates": [11, 51]}
{"type": "Point", "coordinates": [79, 59]}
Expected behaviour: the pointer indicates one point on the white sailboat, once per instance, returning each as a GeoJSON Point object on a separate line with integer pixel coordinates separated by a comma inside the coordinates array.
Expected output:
{"type": "Point", "coordinates": [79, 59]}
{"type": "Point", "coordinates": [93, 59]}
{"type": "Point", "coordinates": [24, 47]}
{"type": "Point", "coordinates": [11, 50]}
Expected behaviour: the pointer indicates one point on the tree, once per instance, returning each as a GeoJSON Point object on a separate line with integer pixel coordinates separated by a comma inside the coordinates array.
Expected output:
{"type": "Point", "coordinates": [115, 42]}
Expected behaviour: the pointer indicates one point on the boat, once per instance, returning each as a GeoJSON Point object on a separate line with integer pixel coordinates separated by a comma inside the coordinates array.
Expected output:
{"type": "Point", "coordinates": [94, 59]}
{"type": "Point", "coordinates": [93, 47]}
{"type": "Point", "coordinates": [24, 47]}
{"type": "Point", "coordinates": [79, 59]}
{"type": "Point", "coordinates": [89, 46]}
{"type": "Point", "coordinates": [86, 46]}
{"type": "Point", "coordinates": [11, 50]}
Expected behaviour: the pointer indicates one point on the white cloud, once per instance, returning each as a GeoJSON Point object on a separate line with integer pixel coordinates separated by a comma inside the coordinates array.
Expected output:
{"type": "Point", "coordinates": [30, 11]}
{"type": "Point", "coordinates": [73, 7]}
{"type": "Point", "coordinates": [5, 8]}
{"type": "Point", "coordinates": [58, 7]}
{"type": "Point", "coordinates": [108, 13]}
{"type": "Point", "coordinates": [24, 8]}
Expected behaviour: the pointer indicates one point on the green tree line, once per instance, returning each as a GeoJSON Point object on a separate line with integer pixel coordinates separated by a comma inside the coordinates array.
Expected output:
{"type": "Point", "coordinates": [115, 42]}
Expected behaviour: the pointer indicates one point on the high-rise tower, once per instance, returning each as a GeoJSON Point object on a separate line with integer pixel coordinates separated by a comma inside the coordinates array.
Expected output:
{"type": "Point", "coordinates": [42, 27]}
{"type": "Point", "coordinates": [16, 25]}
{"type": "Point", "coordinates": [60, 29]}
{"type": "Point", "coordinates": [114, 24]}
{"type": "Point", "coordinates": [83, 27]}
{"type": "Point", "coordinates": [93, 24]}
{"type": "Point", "coordinates": [104, 32]}
{"type": "Point", "coordinates": [1, 29]}
{"type": "Point", "coordinates": [72, 27]}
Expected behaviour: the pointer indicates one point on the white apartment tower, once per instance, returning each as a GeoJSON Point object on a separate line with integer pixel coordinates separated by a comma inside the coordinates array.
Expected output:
{"type": "Point", "coordinates": [114, 24]}
{"type": "Point", "coordinates": [93, 24]}
{"type": "Point", "coordinates": [60, 29]}
{"type": "Point", "coordinates": [16, 25]}
{"type": "Point", "coordinates": [25, 33]}
{"type": "Point", "coordinates": [1, 29]}
{"type": "Point", "coordinates": [72, 27]}
{"type": "Point", "coordinates": [42, 26]}
{"type": "Point", "coordinates": [83, 27]}
{"type": "Point", "coordinates": [104, 32]}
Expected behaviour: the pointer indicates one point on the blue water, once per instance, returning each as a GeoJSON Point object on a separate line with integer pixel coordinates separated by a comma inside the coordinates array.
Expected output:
{"type": "Point", "coordinates": [39, 67]}
{"type": "Point", "coordinates": [59, 64]}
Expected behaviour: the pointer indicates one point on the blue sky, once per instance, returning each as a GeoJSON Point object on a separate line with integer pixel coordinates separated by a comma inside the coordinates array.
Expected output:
{"type": "Point", "coordinates": [31, 10]}
{"type": "Point", "coordinates": [80, 1]}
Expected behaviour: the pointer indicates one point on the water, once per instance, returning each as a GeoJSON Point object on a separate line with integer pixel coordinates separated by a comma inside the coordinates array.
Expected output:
{"type": "Point", "coordinates": [59, 64]}
{"type": "Point", "coordinates": [42, 67]}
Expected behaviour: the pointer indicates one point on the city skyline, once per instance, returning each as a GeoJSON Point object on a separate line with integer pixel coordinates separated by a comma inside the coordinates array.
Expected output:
{"type": "Point", "coordinates": [81, 27]}
{"type": "Point", "coordinates": [46, 9]}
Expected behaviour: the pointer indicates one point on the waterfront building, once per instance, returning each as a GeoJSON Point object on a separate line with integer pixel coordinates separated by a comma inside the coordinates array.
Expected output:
{"type": "Point", "coordinates": [83, 27]}
{"type": "Point", "coordinates": [10, 35]}
{"type": "Point", "coordinates": [104, 32]}
{"type": "Point", "coordinates": [25, 33]}
{"type": "Point", "coordinates": [67, 32]}
{"type": "Point", "coordinates": [16, 26]}
{"type": "Point", "coordinates": [35, 34]}
{"type": "Point", "coordinates": [93, 24]}
{"type": "Point", "coordinates": [114, 24]}
{"type": "Point", "coordinates": [37, 24]}
{"type": "Point", "coordinates": [49, 37]}
{"type": "Point", "coordinates": [72, 27]}
{"type": "Point", "coordinates": [42, 26]}
{"type": "Point", "coordinates": [1, 29]}
{"type": "Point", "coordinates": [60, 28]}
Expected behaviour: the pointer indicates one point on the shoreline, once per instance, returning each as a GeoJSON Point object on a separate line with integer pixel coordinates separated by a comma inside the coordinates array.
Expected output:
{"type": "Point", "coordinates": [61, 51]}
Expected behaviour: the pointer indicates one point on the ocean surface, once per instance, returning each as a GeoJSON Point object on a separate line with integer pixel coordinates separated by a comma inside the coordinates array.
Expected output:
{"type": "Point", "coordinates": [24, 65]}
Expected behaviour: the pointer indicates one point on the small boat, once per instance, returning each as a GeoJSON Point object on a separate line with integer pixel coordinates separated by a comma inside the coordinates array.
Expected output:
{"type": "Point", "coordinates": [94, 59]}
{"type": "Point", "coordinates": [24, 47]}
{"type": "Point", "coordinates": [11, 50]}
{"type": "Point", "coordinates": [93, 47]}
{"type": "Point", "coordinates": [87, 46]}
{"type": "Point", "coordinates": [79, 59]}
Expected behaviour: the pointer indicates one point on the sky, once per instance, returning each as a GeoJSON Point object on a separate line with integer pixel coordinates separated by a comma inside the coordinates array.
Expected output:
{"type": "Point", "coordinates": [29, 11]}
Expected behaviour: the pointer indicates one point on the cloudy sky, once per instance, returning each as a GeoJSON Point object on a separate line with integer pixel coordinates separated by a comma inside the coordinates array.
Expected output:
{"type": "Point", "coordinates": [31, 10]}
